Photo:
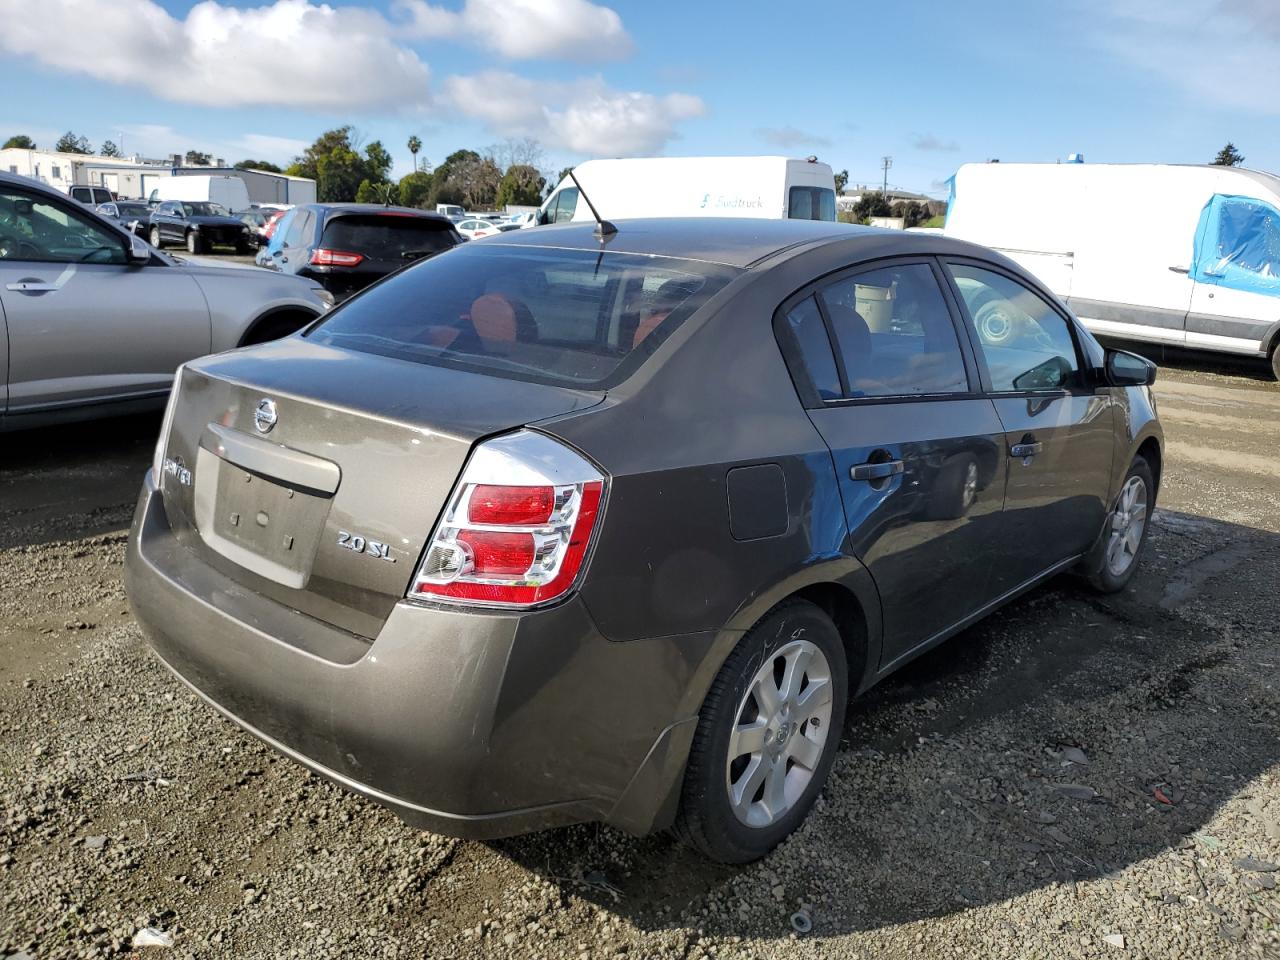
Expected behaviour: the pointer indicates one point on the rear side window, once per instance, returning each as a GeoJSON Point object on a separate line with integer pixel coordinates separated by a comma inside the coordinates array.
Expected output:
{"type": "Point", "coordinates": [388, 236]}
{"type": "Point", "coordinates": [566, 317]}
{"type": "Point", "coordinates": [1026, 343]}
{"type": "Point", "coordinates": [809, 333]}
{"type": "Point", "coordinates": [565, 206]}
{"type": "Point", "coordinates": [811, 203]}
{"type": "Point", "coordinates": [895, 334]}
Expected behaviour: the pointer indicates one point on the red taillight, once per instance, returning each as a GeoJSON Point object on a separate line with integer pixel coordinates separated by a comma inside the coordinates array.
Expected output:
{"type": "Point", "coordinates": [498, 554]}
{"type": "Point", "coordinates": [516, 544]}
{"type": "Point", "coordinates": [491, 503]}
{"type": "Point", "coordinates": [320, 257]}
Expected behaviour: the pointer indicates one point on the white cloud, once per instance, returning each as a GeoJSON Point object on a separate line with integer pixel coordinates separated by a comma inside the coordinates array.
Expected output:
{"type": "Point", "coordinates": [788, 137]}
{"type": "Point", "coordinates": [291, 52]}
{"type": "Point", "coordinates": [586, 117]}
{"type": "Point", "coordinates": [1224, 52]}
{"type": "Point", "coordinates": [525, 29]}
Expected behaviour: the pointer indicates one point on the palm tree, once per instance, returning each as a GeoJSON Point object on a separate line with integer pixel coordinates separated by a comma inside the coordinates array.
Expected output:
{"type": "Point", "coordinates": [414, 146]}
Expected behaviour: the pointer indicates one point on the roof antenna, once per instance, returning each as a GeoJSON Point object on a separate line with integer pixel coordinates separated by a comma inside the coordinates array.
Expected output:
{"type": "Point", "coordinates": [604, 229]}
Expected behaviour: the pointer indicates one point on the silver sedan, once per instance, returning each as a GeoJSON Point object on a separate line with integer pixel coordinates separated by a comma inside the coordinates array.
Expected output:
{"type": "Point", "coordinates": [94, 321]}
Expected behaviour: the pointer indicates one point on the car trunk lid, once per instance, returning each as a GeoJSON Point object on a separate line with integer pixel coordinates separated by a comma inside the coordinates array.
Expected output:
{"type": "Point", "coordinates": [314, 475]}
{"type": "Point", "coordinates": [358, 248]}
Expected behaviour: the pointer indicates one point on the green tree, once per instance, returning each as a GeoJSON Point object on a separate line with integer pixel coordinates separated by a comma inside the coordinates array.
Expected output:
{"type": "Point", "coordinates": [258, 165]}
{"type": "Point", "coordinates": [415, 188]}
{"type": "Point", "coordinates": [377, 161]}
{"type": "Point", "coordinates": [1228, 156]}
{"type": "Point", "coordinates": [873, 203]}
{"type": "Point", "coordinates": [339, 169]}
{"type": "Point", "coordinates": [366, 192]}
{"type": "Point", "coordinates": [912, 212]}
{"type": "Point", "coordinates": [521, 185]}
{"type": "Point", "coordinates": [842, 181]}
{"type": "Point", "coordinates": [70, 143]}
{"type": "Point", "coordinates": [339, 174]}
{"type": "Point", "coordinates": [21, 141]}
{"type": "Point", "coordinates": [415, 144]}
{"type": "Point", "coordinates": [195, 158]}
{"type": "Point", "coordinates": [109, 149]}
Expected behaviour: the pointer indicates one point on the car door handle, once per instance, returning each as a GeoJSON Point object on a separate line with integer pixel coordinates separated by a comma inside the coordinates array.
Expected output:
{"type": "Point", "coordinates": [1021, 451]}
{"type": "Point", "coordinates": [876, 471]}
{"type": "Point", "coordinates": [31, 286]}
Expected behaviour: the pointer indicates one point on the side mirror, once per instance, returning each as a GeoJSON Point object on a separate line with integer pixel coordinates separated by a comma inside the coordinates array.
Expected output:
{"type": "Point", "coordinates": [1125, 369]}
{"type": "Point", "coordinates": [139, 252]}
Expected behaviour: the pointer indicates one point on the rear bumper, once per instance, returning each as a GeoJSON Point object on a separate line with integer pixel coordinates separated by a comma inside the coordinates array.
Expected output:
{"type": "Point", "coordinates": [467, 724]}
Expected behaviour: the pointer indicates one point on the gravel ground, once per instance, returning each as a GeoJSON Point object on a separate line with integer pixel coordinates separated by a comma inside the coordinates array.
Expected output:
{"type": "Point", "coordinates": [1075, 777]}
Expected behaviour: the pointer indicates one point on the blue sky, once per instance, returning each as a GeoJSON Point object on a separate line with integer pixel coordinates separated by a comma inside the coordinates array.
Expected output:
{"type": "Point", "coordinates": [934, 84]}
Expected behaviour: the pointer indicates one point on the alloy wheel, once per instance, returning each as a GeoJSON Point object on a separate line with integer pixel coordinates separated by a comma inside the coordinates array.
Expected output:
{"type": "Point", "coordinates": [1128, 521]}
{"type": "Point", "coordinates": [780, 733]}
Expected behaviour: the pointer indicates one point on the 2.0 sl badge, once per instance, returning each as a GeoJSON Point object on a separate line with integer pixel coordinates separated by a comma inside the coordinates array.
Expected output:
{"type": "Point", "coordinates": [358, 544]}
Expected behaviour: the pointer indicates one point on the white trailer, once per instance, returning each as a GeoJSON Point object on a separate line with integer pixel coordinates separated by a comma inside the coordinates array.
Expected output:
{"type": "Point", "coordinates": [1186, 255]}
{"type": "Point", "coordinates": [771, 188]}
{"type": "Point", "coordinates": [231, 192]}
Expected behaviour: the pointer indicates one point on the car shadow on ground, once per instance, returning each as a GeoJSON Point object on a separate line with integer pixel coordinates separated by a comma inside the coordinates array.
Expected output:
{"type": "Point", "coordinates": [81, 479]}
{"type": "Point", "coordinates": [1196, 361]}
{"type": "Point", "coordinates": [956, 785]}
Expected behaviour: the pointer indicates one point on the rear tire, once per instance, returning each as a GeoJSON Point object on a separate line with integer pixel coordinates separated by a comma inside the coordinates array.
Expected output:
{"type": "Point", "coordinates": [156, 240]}
{"type": "Point", "coordinates": [1275, 358]}
{"type": "Point", "coordinates": [1114, 559]}
{"type": "Point", "coordinates": [797, 648]}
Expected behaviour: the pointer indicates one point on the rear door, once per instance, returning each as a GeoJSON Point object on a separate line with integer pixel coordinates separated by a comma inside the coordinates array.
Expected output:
{"type": "Point", "coordinates": [1058, 427]}
{"type": "Point", "coordinates": [917, 448]}
{"type": "Point", "coordinates": [84, 325]}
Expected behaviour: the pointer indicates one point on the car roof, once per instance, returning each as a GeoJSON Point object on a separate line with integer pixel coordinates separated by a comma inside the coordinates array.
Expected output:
{"type": "Point", "coordinates": [734, 242]}
{"type": "Point", "coordinates": [330, 209]}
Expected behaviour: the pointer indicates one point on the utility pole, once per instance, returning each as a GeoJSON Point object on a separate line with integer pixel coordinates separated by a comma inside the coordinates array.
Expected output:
{"type": "Point", "coordinates": [886, 162]}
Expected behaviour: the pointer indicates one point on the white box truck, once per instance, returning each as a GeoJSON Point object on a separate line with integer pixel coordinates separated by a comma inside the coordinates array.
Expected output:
{"type": "Point", "coordinates": [771, 188]}
{"type": "Point", "coordinates": [1184, 255]}
{"type": "Point", "coordinates": [231, 192]}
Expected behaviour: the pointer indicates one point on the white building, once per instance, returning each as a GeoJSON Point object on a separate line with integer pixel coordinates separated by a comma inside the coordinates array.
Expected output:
{"type": "Point", "coordinates": [120, 175]}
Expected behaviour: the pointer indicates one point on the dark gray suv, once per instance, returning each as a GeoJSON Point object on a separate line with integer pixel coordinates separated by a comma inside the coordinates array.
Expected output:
{"type": "Point", "coordinates": [552, 528]}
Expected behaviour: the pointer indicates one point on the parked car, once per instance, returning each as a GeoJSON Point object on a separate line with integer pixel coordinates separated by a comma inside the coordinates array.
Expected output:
{"type": "Point", "coordinates": [550, 531]}
{"type": "Point", "coordinates": [256, 220]}
{"type": "Point", "coordinates": [90, 196]}
{"type": "Point", "coordinates": [199, 225]}
{"type": "Point", "coordinates": [475, 227]}
{"type": "Point", "coordinates": [133, 215]}
{"type": "Point", "coordinates": [93, 321]}
{"type": "Point", "coordinates": [1202, 271]}
{"type": "Point", "coordinates": [347, 246]}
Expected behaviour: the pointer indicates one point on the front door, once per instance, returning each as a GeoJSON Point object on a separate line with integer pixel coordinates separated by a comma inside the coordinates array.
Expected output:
{"type": "Point", "coordinates": [918, 452]}
{"type": "Point", "coordinates": [84, 324]}
{"type": "Point", "coordinates": [1236, 297]}
{"type": "Point", "coordinates": [1058, 428]}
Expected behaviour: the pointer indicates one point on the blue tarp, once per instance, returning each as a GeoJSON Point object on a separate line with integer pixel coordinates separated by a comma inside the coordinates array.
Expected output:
{"type": "Point", "coordinates": [1237, 245]}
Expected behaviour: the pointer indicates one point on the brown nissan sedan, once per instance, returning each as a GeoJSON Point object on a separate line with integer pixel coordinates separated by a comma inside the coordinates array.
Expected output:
{"type": "Point", "coordinates": [557, 527]}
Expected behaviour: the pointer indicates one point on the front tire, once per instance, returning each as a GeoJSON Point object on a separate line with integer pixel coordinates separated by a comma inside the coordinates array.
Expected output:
{"type": "Point", "coordinates": [193, 242]}
{"type": "Point", "coordinates": [1275, 359]}
{"type": "Point", "coordinates": [767, 735]}
{"type": "Point", "coordinates": [1114, 559]}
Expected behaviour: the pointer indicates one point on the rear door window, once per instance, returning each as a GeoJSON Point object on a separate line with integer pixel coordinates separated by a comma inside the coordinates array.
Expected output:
{"type": "Point", "coordinates": [388, 236]}
{"type": "Point", "coordinates": [1026, 343]}
{"type": "Point", "coordinates": [894, 333]}
{"type": "Point", "coordinates": [567, 317]}
{"type": "Point", "coordinates": [811, 203]}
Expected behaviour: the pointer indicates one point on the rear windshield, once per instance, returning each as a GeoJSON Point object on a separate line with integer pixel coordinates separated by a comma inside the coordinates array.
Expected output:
{"type": "Point", "coordinates": [387, 236]}
{"type": "Point", "coordinates": [567, 317]}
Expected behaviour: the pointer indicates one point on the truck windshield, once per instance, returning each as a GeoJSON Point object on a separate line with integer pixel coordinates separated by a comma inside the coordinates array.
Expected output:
{"type": "Point", "coordinates": [566, 317]}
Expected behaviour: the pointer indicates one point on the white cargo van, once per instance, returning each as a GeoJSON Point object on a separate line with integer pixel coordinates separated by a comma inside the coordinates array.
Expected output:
{"type": "Point", "coordinates": [771, 188]}
{"type": "Point", "coordinates": [230, 192]}
{"type": "Point", "coordinates": [1186, 255]}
